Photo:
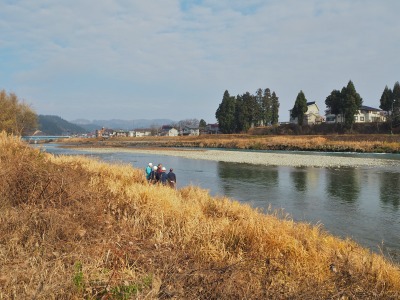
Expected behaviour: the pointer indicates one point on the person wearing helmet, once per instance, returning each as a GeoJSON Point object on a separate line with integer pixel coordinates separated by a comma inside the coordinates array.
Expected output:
{"type": "Point", "coordinates": [153, 175]}
{"type": "Point", "coordinates": [149, 168]}
{"type": "Point", "coordinates": [163, 176]}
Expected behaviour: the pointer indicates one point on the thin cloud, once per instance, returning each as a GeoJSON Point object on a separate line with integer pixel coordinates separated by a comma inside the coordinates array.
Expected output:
{"type": "Point", "coordinates": [92, 59]}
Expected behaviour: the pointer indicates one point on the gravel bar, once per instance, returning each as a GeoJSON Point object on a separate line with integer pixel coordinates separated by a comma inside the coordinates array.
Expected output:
{"type": "Point", "coordinates": [262, 158]}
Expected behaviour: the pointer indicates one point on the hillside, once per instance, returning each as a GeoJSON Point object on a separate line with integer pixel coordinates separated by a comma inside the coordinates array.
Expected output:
{"type": "Point", "coordinates": [122, 124]}
{"type": "Point", "coordinates": [75, 228]}
{"type": "Point", "coordinates": [54, 125]}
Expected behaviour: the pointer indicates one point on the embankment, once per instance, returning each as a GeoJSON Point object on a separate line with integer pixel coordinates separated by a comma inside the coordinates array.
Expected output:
{"type": "Point", "coordinates": [78, 228]}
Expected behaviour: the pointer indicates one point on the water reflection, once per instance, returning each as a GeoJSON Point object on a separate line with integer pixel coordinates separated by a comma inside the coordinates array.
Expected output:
{"type": "Point", "coordinates": [343, 184]}
{"type": "Point", "coordinates": [245, 181]}
{"type": "Point", "coordinates": [299, 178]}
{"type": "Point", "coordinates": [390, 189]}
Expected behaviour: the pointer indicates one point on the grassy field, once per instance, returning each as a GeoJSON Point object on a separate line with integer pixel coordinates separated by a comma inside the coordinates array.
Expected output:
{"type": "Point", "coordinates": [333, 143]}
{"type": "Point", "coordinates": [75, 228]}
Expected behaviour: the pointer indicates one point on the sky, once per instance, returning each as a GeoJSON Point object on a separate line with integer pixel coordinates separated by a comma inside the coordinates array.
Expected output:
{"type": "Point", "coordinates": [131, 59]}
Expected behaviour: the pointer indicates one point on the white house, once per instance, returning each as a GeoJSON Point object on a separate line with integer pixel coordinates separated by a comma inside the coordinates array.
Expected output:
{"type": "Point", "coordinates": [167, 130]}
{"type": "Point", "coordinates": [120, 133]}
{"type": "Point", "coordinates": [365, 114]}
{"type": "Point", "coordinates": [191, 130]}
{"type": "Point", "coordinates": [311, 116]}
{"type": "Point", "coordinates": [369, 114]}
{"type": "Point", "coordinates": [142, 132]}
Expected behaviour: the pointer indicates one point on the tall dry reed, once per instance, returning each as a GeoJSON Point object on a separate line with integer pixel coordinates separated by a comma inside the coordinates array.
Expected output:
{"type": "Point", "coordinates": [77, 228]}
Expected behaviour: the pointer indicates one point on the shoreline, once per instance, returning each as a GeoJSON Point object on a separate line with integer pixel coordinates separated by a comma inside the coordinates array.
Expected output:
{"type": "Point", "coordinates": [257, 158]}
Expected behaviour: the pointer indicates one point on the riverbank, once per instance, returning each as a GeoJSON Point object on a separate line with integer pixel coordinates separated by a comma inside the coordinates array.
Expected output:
{"type": "Point", "coordinates": [74, 228]}
{"type": "Point", "coordinates": [258, 158]}
{"type": "Point", "coordinates": [321, 143]}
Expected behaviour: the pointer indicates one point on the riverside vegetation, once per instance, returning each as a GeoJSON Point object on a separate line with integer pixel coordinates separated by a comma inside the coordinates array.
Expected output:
{"type": "Point", "coordinates": [371, 143]}
{"type": "Point", "coordinates": [73, 228]}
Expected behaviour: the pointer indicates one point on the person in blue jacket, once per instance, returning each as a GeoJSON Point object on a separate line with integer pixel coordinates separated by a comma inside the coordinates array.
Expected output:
{"type": "Point", "coordinates": [149, 168]}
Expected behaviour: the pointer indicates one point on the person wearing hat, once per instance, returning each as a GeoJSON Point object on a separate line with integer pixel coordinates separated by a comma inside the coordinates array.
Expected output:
{"type": "Point", "coordinates": [163, 176]}
{"type": "Point", "coordinates": [171, 177]}
{"type": "Point", "coordinates": [153, 175]}
{"type": "Point", "coordinates": [149, 168]}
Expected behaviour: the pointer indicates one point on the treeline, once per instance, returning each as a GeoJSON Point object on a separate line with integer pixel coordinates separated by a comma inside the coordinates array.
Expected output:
{"type": "Point", "coordinates": [16, 117]}
{"type": "Point", "coordinates": [390, 102]}
{"type": "Point", "coordinates": [238, 114]}
{"type": "Point", "coordinates": [345, 103]}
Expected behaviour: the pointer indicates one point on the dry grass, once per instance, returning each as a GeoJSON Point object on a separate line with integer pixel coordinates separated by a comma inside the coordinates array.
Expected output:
{"type": "Point", "coordinates": [335, 143]}
{"type": "Point", "coordinates": [74, 228]}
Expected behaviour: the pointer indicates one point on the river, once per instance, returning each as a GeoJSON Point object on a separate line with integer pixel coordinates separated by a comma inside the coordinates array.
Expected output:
{"type": "Point", "coordinates": [358, 203]}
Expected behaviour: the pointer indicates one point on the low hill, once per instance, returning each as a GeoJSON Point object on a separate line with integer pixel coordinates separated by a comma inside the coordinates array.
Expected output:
{"type": "Point", "coordinates": [122, 124]}
{"type": "Point", "coordinates": [55, 125]}
{"type": "Point", "coordinates": [76, 228]}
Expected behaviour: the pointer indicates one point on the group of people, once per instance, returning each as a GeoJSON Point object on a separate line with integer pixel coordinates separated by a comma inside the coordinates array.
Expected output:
{"type": "Point", "coordinates": [157, 174]}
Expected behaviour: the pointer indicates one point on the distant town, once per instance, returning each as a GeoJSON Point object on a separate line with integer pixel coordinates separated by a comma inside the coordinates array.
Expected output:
{"type": "Point", "coordinates": [165, 130]}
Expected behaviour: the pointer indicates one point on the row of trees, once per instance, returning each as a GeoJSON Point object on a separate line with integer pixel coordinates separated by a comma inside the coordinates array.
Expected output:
{"type": "Point", "coordinates": [237, 114]}
{"type": "Point", "coordinates": [16, 117]}
{"type": "Point", "coordinates": [345, 102]}
{"type": "Point", "coordinates": [390, 102]}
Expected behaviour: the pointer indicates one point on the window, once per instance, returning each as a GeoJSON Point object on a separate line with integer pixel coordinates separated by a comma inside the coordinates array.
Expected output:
{"type": "Point", "coordinates": [362, 119]}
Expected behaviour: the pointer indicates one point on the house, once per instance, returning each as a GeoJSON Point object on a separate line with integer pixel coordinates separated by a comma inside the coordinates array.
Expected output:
{"type": "Point", "coordinates": [191, 130]}
{"type": "Point", "coordinates": [212, 128]}
{"type": "Point", "coordinates": [120, 133]}
{"type": "Point", "coordinates": [167, 130]}
{"type": "Point", "coordinates": [104, 132]}
{"type": "Point", "coordinates": [369, 114]}
{"type": "Point", "coordinates": [311, 116]}
{"type": "Point", "coordinates": [142, 132]}
{"type": "Point", "coordinates": [365, 114]}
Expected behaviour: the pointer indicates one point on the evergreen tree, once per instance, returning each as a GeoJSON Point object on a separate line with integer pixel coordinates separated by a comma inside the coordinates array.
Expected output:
{"type": "Point", "coordinates": [352, 103]}
{"type": "Point", "coordinates": [260, 115]}
{"type": "Point", "coordinates": [396, 95]}
{"type": "Point", "coordinates": [299, 108]}
{"type": "Point", "coordinates": [202, 124]}
{"type": "Point", "coordinates": [396, 103]}
{"type": "Point", "coordinates": [274, 109]}
{"type": "Point", "coordinates": [335, 103]}
{"type": "Point", "coordinates": [252, 111]}
{"type": "Point", "coordinates": [225, 114]}
{"type": "Point", "coordinates": [387, 100]}
{"type": "Point", "coordinates": [246, 112]}
{"type": "Point", "coordinates": [267, 103]}
{"type": "Point", "coordinates": [240, 112]}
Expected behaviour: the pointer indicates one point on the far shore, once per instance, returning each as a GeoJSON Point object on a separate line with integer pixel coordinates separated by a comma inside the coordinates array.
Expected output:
{"type": "Point", "coordinates": [257, 158]}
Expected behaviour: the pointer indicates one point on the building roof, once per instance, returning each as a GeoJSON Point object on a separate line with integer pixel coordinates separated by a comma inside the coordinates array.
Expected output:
{"type": "Point", "coordinates": [167, 127]}
{"type": "Point", "coordinates": [192, 127]}
{"type": "Point", "coordinates": [363, 107]}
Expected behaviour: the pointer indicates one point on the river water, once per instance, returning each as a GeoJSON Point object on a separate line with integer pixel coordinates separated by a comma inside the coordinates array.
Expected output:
{"type": "Point", "coordinates": [358, 203]}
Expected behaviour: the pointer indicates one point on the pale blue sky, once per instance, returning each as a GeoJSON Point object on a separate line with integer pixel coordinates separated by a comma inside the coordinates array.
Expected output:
{"type": "Point", "coordinates": [131, 59]}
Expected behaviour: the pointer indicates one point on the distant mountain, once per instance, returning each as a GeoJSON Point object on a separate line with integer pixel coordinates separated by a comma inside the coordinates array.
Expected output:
{"type": "Point", "coordinates": [55, 125]}
{"type": "Point", "coordinates": [122, 124]}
